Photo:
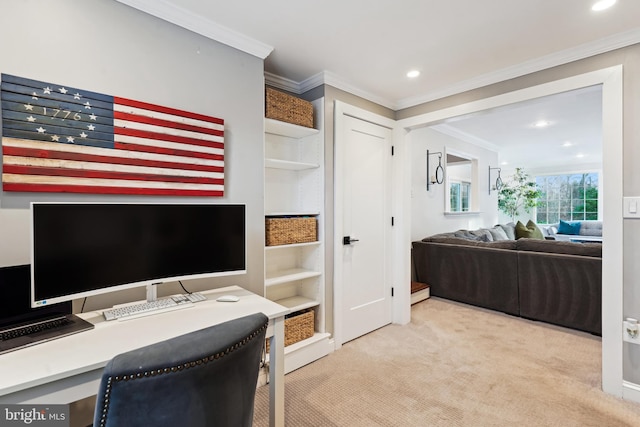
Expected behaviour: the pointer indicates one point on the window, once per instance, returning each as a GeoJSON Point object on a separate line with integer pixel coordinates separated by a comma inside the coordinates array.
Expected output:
{"type": "Point", "coordinates": [460, 195]}
{"type": "Point", "coordinates": [461, 173]}
{"type": "Point", "coordinates": [570, 197]}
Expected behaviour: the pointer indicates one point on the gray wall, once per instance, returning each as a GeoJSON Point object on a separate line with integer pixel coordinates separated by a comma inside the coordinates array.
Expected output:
{"type": "Point", "coordinates": [629, 57]}
{"type": "Point", "coordinates": [427, 207]}
{"type": "Point", "coordinates": [105, 46]}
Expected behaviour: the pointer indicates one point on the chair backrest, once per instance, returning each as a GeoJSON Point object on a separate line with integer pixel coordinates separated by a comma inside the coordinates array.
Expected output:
{"type": "Point", "coordinates": [203, 378]}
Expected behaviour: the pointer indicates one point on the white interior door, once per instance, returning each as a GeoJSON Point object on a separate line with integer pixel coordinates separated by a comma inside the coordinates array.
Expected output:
{"type": "Point", "coordinates": [366, 228]}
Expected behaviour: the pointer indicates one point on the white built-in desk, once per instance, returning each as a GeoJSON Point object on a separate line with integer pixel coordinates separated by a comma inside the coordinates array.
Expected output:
{"type": "Point", "coordinates": [69, 369]}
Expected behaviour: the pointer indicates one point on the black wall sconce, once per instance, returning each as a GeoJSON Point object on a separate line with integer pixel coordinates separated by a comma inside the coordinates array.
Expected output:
{"type": "Point", "coordinates": [438, 177]}
{"type": "Point", "coordinates": [498, 184]}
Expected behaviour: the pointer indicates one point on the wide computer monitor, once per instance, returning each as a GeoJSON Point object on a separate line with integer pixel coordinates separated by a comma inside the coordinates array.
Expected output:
{"type": "Point", "coordinates": [86, 249]}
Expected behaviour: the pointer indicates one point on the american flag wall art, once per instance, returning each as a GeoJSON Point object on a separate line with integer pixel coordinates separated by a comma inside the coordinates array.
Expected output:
{"type": "Point", "coordinates": [61, 139]}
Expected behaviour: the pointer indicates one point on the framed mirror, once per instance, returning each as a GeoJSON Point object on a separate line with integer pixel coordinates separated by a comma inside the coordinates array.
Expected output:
{"type": "Point", "coordinates": [461, 183]}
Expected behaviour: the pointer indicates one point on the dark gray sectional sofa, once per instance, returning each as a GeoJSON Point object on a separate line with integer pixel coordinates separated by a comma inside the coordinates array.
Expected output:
{"type": "Point", "coordinates": [551, 281]}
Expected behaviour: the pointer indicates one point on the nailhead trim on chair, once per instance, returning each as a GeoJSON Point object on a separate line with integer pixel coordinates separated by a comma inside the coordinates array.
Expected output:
{"type": "Point", "coordinates": [187, 365]}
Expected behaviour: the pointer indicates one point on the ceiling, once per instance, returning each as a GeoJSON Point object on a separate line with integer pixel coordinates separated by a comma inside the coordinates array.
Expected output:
{"type": "Point", "coordinates": [366, 48]}
{"type": "Point", "coordinates": [572, 137]}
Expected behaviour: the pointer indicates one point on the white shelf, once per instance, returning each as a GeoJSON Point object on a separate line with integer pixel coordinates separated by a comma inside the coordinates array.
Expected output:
{"type": "Point", "coordinates": [295, 186]}
{"type": "Point", "coordinates": [289, 165]}
{"type": "Point", "coordinates": [291, 213]}
{"type": "Point", "coordinates": [291, 275]}
{"type": "Point", "coordinates": [297, 303]}
{"type": "Point", "coordinates": [306, 351]}
{"type": "Point", "coordinates": [292, 245]}
{"type": "Point", "coordinates": [276, 127]}
{"type": "Point", "coordinates": [301, 344]}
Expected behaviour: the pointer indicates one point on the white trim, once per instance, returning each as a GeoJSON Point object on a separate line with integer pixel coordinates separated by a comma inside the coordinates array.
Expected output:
{"type": "Point", "coordinates": [612, 246]}
{"type": "Point", "coordinates": [336, 81]}
{"type": "Point", "coordinates": [402, 235]}
{"type": "Point", "coordinates": [464, 136]}
{"type": "Point", "coordinates": [631, 391]}
{"type": "Point", "coordinates": [612, 254]}
{"type": "Point", "coordinates": [166, 10]}
{"type": "Point", "coordinates": [282, 83]}
{"type": "Point", "coordinates": [583, 51]}
{"type": "Point", "coordinates": [169, 12]}
{"type": "Point", "coordinates": [566, 56]}
{"type": "Point", "coordinates": [313, 82]}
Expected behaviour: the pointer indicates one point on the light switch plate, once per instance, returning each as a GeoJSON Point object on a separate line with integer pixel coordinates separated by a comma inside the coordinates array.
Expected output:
{"type": "Point", "coordinates": [631, 207]}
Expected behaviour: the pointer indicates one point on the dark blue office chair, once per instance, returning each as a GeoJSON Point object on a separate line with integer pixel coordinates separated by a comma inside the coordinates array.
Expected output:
{"type": "Point", "coordinates": [203, 378]}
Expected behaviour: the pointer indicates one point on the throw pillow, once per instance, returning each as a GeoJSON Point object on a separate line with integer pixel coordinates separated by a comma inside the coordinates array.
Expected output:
{"type": "Point", "coordinates": [484, 233]}
{"type": "Point", "coordinates": [509, 229]}
{"type": "Point", "coordinates": [466, 234]}
{"type": "Point", "coordinates": [566, 227]}
{"type": "Point", "coordinates": [530, 231]}
{"type": "Point", "coordinates": [498, 233]}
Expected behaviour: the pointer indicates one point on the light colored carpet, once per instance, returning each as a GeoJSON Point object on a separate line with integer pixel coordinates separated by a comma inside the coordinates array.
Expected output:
{"type": "Point", "coordinates": [455, 365]}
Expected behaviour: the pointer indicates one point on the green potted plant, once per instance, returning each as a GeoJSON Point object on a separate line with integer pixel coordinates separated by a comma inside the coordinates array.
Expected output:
{"type": "Point", "coordinates": [517, 194]}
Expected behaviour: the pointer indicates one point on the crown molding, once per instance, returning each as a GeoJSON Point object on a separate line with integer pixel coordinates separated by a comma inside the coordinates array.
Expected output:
{"type": "Point", "coordinates": [566, 56]}
{"type": "Point", "coordinates": [169, 12]}
{"type": "Point", "coordinates": [319, 79]}
{"type": "Point", "coordinates": [464, 136]}
{"type": "Point", "coordinates": [336, 81]}
{"type": "Point", "coordinates": [314, 81]}
{"type": "Point", "coordinates": [616, 41]}
{"type": "Point", "coordinates": [183, 18]}
{"type": "Point", "coordinates": [282, 83]}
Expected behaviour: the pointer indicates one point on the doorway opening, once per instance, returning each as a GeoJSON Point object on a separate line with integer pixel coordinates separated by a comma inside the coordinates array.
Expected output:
{"type": "Point", "coordinates": [610, 80]}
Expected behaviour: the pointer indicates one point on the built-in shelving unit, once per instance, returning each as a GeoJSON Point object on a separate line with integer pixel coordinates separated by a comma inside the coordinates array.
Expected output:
{"type": "Point", "coordinates": [294, 186]}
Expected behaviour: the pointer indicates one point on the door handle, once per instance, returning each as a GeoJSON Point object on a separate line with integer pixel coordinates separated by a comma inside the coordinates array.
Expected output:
{"type": "Point", "coordinates": [347, 240]}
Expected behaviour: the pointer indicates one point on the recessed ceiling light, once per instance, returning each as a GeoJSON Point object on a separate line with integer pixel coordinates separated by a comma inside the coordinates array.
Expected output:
{"type": "Point", "coordinates": [567, 144]}
{"type": "Point", "coordinates": [413, 74]}
{"type": "Point", "coordinates": [504, 163]}
{"type": "Point", "coordinates": [579, 155]}
{"type": "Point", "coordinates": [602, 5]}
{"type": "Point", "coordinates": [541, 124]}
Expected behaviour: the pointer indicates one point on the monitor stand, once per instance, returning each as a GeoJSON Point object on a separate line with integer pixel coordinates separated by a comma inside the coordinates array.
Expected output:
{"type": "Point", "coordinates": [152, 292]}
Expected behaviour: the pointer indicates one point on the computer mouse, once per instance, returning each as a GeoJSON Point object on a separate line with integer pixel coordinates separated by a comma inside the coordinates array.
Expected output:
{"type": "Point", "coordinates": [228, 298]}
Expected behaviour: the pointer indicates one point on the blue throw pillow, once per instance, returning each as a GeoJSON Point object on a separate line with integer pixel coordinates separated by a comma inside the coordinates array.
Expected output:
{"type": "Point", "coordinates": [569, 227]}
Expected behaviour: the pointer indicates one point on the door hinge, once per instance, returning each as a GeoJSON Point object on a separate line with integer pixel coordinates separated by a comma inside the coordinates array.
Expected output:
{"type": "Point", "coordinates": [392, 150]}
{"type": "Point", "coordinates": [392, 221]}
{"type": "Point", "coordinates": [392, 291]}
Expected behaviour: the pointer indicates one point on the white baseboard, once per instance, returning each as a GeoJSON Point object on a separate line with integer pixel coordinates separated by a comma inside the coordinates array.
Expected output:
{"type": "Point", "coordinates": [631, 391]}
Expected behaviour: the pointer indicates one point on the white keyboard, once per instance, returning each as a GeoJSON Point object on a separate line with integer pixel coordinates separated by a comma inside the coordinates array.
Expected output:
{"type": "Point", "coordinates": [133, 311]}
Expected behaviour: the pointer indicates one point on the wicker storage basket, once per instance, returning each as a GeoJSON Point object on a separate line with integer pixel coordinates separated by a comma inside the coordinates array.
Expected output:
{"type": "Point", "coordinates": [284, 231]}
{"type": "Point", "coordinates": [287, 108]}
{"type": "Point", "coordinates": [298, 326]}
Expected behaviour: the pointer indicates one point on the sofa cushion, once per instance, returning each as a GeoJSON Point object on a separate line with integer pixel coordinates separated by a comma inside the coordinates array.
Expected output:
{"type": "Point", "coordinates": [502, 244]}
{"type": "Point", "coordinates": [483, 234]}
{"type": "Point", "coordinates": [473, 235]}
{"type": "Point", "coordinates": [567, 227]}
{"type": "Point", "coordinates": [509, 229]}
{"type": "Point", "coordinates": [560, 247]}
{"type": "Point", "coordinates": [551, 230]}
{"type": "Point", "coordinates": [530, 230]}
{"type": "Point", "coordinates": [436, 236]}
{"type": "Point", "coordinates": [498, 233]}
{"type": "Point", "coordinates": [591, 228]}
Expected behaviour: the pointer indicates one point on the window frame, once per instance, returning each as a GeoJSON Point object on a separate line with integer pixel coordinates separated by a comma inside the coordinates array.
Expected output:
{"type": "Point", "coordinates": [461, 196]}
{"type": "Point", "coordinates": [563, 207]}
